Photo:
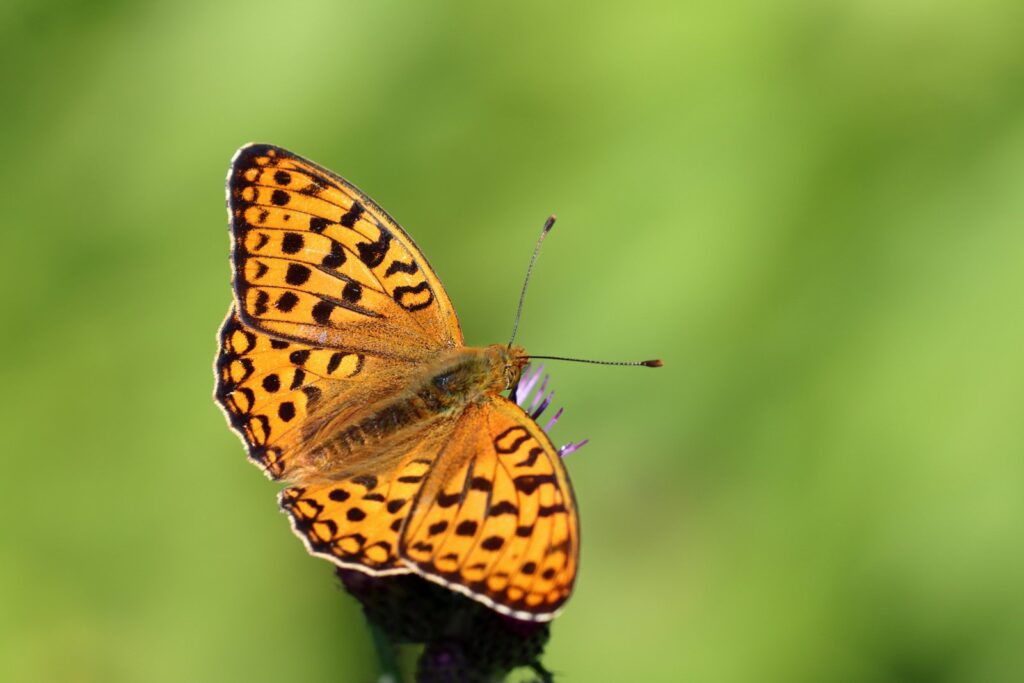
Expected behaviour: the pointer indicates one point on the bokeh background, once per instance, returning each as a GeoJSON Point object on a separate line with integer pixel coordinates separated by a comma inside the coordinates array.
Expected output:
{"type": "Point", "coordinates": [814, 212]}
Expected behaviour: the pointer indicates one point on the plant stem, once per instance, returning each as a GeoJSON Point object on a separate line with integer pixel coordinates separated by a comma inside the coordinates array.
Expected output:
{"type": "Point", "coordinates": [386, 654]}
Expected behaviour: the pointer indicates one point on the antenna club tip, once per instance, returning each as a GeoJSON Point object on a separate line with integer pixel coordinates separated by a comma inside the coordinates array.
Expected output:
{"type": "Point", "coordinates": [652, 363]}
{"type": "Point", "coordinates": [550, 222]}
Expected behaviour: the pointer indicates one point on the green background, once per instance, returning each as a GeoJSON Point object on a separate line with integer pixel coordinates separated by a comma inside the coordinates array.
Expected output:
{"type": "Point", "coordinates": [814, 212]}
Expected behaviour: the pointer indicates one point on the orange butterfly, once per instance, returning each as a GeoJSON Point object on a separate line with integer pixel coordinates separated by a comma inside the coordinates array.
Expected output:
{"type": "Point", "coordinates": [341, 366]}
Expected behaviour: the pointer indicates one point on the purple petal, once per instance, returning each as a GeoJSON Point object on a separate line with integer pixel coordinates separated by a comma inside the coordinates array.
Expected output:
{"type": "Point", "coordinates": [553, 420]}
{"type": "Point", "coordinates": [571, 447]}
{"type": "Point", "coordinates": [540, 393]}
{"type": "Point", "coordinates": [543, 406]}
{"type": "Point", "coordinates": [526, 382]}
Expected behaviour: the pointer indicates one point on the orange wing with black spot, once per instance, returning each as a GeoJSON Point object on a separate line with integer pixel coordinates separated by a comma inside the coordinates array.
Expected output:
{"type": "Point", "coordinates": [334, 305]}
{"type": "Point", "coordinates": [498, 523]}
{"type": "Point", "coordinates": [268, 387]}
{"type": "Point", "coordinates": [330, 295]}
{"type": "Point", "coordinates": [317, 261]}
{"type": "Point", "coordinates": [356, 522]}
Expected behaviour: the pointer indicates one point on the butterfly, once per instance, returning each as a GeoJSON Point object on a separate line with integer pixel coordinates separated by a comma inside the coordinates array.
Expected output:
{"type": "Point", "coordinates": [341, 366]}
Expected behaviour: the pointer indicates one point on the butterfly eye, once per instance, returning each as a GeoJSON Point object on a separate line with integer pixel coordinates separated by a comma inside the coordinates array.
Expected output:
{"type": "Point", "coordinates": [442, 381]}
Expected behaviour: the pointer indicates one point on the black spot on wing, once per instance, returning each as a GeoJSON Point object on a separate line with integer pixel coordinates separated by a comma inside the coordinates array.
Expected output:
{"type": "Point", "coordinates": [528, 483]}
{"type": "Point", "coordinates": [548, 510]}
{"type": "Point", "coordinates": [446, 500]}
{"type": "Point", "coordinates": [466, 528]}
{"type": "Point", "coordinates": [317, 182]}
{"type": "Point", "coordinates": [503, 508]}
{"type": "Point", "coordinates": [292, 243]}
{"type": "Point", "coordinates": [297, 274]}
{"type": "Point", "coordinates": [511, 439]}
{"type": "Point", "coordinates": [334, 362]}
{"type": "Point", "coordinates": [401, 293]}
{"type": "Point", "coordinates": [366, 480]}
{"type": "Point", "coordinates": [352, 292]}
{"type": "Point", "coordinates": [286, 301]}
{"type": "Point", "coordinates": [352, 215]}
{"type": "Point", "coordinates": [400, 267]}
{"type": "Point", "coordinates": [260, 307]}
{"type": "Point", "coordinates": [480, 484]}
{"type": "Point", "coordinates": [322, 312]}
{"type": "Point", "coordinates": [492, 543]}
{"type": "Point", "coordinates": [334, 259]}
{"type": "Point", "coordinates": [372, 253]}
{"type": "Point", "coordinates": [531, 459]}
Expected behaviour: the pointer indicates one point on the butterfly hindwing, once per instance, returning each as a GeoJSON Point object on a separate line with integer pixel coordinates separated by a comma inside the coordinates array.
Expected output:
{"type": "Point", "coordinates": [502, 527]}
{"type": "Point", "coordinates": [268, 387]}
{"type": "Point", "coordinates": [317, 261]}
{"type": "Point", "coordinates": [356, 521]}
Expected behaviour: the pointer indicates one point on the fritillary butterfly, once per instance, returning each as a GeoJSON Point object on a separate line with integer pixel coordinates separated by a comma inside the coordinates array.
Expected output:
{"type": "Point", "coordinates": [341, 365]}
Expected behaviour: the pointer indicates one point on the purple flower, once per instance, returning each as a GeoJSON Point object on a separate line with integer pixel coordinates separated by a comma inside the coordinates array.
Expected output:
{"type": "Point", "coordinates": [535, 403]}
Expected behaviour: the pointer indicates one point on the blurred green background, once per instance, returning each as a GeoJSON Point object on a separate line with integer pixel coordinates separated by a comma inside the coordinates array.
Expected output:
{"type": "Point", "coordinates": [812, 211]}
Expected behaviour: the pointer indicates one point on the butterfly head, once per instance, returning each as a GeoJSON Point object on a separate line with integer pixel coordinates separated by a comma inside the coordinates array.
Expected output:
{"type": "Point", "coordinates": [506, 364]}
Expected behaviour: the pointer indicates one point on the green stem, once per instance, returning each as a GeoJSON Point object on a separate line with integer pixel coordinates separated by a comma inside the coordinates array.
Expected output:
{"type": "Point", "coordinates": [386, 654]}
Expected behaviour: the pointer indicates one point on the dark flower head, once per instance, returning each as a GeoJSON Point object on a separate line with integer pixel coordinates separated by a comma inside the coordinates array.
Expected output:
{"type": "Point", "coordinates": [464, 640]}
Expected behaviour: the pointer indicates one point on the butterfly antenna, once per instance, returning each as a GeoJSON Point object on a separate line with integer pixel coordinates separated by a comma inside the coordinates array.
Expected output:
{"type": "Point", "coordinates": [533, 259]}
{"type": "Point", "coordinates": [645, 363]}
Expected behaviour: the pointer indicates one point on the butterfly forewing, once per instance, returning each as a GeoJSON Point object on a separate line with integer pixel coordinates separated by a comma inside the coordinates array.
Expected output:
{"type": "Point", "coordinates": [318, 261]}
